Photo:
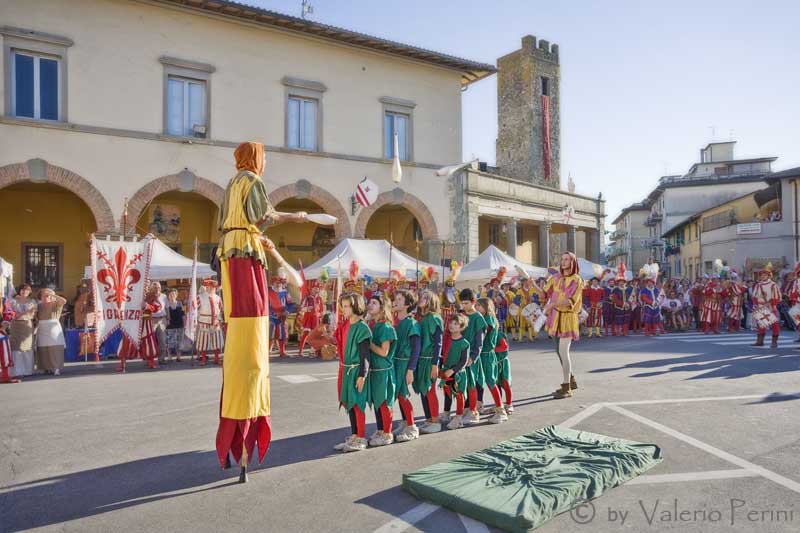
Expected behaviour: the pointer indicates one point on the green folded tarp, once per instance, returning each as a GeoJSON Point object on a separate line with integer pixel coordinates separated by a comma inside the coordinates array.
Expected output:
{"type": "Point", "coordinates": [520, 484]}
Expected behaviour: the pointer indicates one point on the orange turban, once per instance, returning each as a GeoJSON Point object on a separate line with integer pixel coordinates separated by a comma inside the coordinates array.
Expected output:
{"type": "Point", "coordinates": [573, 268]}
{"type": "Point", "coordinates": [250, 156]}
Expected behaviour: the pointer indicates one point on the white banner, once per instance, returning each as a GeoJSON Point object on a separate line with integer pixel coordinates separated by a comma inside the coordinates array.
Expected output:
{"type": "Point", "coordinates": [120, 273]}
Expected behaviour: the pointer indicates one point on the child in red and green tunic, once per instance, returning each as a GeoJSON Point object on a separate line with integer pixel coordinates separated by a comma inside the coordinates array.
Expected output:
{"type": "Point", "coordinates": [485, 307]}
{"type": "Point", "coordinates": [355, 391]}
{"type": "Point", "coordinates": [431, 334]}
{"type": "Point", "coordinates": [454, 373]}
{"type": "Point", "coordinates": [381, 362]}
{"type": "Point", "coordinates": [475, 334]}
{"type": "Point", "coordinates": [504, 370]}
{"type": "Point", "coordinates": [406, 358]}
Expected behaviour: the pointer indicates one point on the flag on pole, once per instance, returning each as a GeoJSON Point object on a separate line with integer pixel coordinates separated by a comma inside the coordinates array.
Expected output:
{"type": "Point", "coordinates": [366, 192]}
{"type": "Point", "coordinates": [397, 170]}
{"type": "Point", "coordinates": [191, 314]}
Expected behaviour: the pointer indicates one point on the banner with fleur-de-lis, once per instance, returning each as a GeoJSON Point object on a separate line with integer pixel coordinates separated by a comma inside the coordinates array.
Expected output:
{"type": "Point", "coordinates": [120, 275]}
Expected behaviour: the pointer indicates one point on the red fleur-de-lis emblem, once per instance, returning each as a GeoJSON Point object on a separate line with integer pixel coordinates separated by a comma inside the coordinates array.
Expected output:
{"type": "Point", "coordinates": [119, 276]}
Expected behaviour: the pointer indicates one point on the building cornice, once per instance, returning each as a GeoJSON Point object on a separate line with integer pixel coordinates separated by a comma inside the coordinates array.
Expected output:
{"type": "Point", "coordinates": [157, 137]}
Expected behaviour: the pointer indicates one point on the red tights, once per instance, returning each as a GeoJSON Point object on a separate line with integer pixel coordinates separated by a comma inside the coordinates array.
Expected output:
{"type": "Point", "coordinates": [406, 409]}
{"type": "Point", "coordinates": [507, 390]}
{"type": "Point", "coordinates": [357, 421]}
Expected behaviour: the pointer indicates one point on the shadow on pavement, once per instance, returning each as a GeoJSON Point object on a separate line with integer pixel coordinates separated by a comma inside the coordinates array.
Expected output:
{"type": "Point", "coordinates": [80, 494]}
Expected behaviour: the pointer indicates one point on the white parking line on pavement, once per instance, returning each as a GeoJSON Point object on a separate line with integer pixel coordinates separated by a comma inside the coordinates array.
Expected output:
{"type": "Point", "coordinates": [473, 526]}
{"type": "Point", "coordinates": [294, 379]}
{"type": "Point", "coordinates": [586, 413]}
{"type": "Point", "coordinates": [692, 476]}
{"type": "Point", "coordinates": [738, 461]}
{"type": "Point", "coordinates": [409, 518]}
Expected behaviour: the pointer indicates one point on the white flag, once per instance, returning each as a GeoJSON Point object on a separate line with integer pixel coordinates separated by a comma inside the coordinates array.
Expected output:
{"type": "Point", "coordinates": [191, 313]}
{"type": "Point", "coordinates": [120, 274]}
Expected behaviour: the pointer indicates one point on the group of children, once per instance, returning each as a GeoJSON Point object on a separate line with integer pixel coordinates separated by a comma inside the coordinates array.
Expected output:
{"type": "Point", "coordinates": [386, 360]}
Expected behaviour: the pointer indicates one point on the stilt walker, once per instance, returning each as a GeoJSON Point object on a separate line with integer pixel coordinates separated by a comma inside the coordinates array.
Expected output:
{"type": "Point", "coordinates": [245, 399]}
{"type": "Point", "coordinates": [766, 297]}
{"type": "Point", "coordinates": [564, 291]}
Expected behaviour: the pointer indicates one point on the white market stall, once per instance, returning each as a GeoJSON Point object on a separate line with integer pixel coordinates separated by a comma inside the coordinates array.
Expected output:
{"type": "Point", "coordinates": [486, 265]}
{"type": "Point", "coordinates": [372, 257]}
{"type": "Point", "coordinates": [166, 263]}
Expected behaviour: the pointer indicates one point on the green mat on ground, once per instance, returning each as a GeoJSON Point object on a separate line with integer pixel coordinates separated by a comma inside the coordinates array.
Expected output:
{"type": "Point", "coordinates": [520, 484]}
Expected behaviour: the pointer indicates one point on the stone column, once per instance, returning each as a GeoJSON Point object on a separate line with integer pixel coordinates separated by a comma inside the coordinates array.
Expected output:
{"type": "Point", "coordinates": [572, 234]}
{"type": "Point", "coordinates": [511, 237]}
{"type": "Point", "coordinates": [544, 244]}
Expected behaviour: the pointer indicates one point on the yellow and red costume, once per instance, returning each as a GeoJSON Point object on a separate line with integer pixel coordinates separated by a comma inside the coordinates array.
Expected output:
{"type": "Point", "coordinates": [245, 400]}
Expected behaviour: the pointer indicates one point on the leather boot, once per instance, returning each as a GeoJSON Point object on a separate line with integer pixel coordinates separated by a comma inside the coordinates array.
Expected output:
{"type": "Point", "coordinates": [563, 392]}
{"type": "Point", "coordinates": [759, 340]}
{"type": "Point", "coordinates": [774, 343]}
{"type": "Point", "coordinates": [572, 383]}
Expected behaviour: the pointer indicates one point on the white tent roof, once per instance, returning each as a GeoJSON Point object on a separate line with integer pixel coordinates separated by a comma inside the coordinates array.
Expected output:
{"type": "Point", "coordinates": [372, 257]}
{"type": "Point", "coordinates": [166, 263]}
{"type": "Point", "coordinates": [486, 265]}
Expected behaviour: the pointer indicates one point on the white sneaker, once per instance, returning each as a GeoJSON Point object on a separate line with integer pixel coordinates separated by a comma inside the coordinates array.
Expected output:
{"type": "Point", "coordinates": [382, 439]}
{"type": "Point", "coordinates": [488, 410]}
{"type": "Point", "coordinates": [499, 416]}
{"type": "Point", "coordinates": [455, 423]}
{"type": "Point", "coordinates": [479, 407]}
{"type": "Point", "coordinates": [470, 418]}
{"type": "Point", "coordinates": [355, 445]}
{"type": "Point", "coordinates": [509, 409]}
{"type": "Point", "coordinates": [339, 447]}
{"type": "Point", "coordinates": [431, 427]}
{"type": "Point", "coordinates": [444, 418]}
{"type": "Point", "coordinates": [401, 427]}
{"type": "Point", "coordinates": [57, 372]}
{"type": "Point", "coordinates": [374, 434]}
{"type": "Point", "coordinates": [410, 433]}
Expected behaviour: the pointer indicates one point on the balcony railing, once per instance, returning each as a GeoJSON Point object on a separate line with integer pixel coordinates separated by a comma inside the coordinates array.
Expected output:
{"type": "Point", "coordinates": [618, 234]}
{"type": "Point", "coordinates": [652, 243]}
{"type": "Point", "coordinates": [614, 251]}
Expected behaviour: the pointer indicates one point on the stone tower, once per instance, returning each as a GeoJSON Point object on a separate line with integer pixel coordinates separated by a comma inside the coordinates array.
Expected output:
{"type": "Point", "coordinates": [528, 82]}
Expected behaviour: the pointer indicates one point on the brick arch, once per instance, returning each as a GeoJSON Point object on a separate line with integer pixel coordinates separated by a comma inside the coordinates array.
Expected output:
{"type": "Point", "coordinates": [40, 171]}
{"type": "Point", "coordinates": [321, 197]}
{"type": "Point", "coordinates": [183, 181]}
{"type": "Point", "coordinates": [409, 201]}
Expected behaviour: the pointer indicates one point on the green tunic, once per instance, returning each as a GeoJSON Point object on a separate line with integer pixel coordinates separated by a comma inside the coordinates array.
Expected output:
{"type": "Point", "coordinates": [475, 370]}
{"type": "Point", "coordinates": [406, 328]}
{"type": "Point", "coordinates": [503, 364]}
{"type": "Point", "coordinates": [451, 359]}
{"type": "Point", "coordinates": [349, 395]}
{"type": "Point", "coordinates": [381, 369]}
{"type": "Point", "coordinates": [488, 357]}
{"type": "Point", "coordinates": [422, 375]}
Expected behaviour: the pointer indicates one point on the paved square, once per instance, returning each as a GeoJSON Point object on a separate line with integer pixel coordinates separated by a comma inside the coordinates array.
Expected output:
{"type": "Point", "coordinates": [94, 450]}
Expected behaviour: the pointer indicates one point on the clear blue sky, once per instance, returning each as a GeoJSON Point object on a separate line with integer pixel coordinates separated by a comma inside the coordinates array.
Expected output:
{"type": "Point", "coordinates": [642, 83]}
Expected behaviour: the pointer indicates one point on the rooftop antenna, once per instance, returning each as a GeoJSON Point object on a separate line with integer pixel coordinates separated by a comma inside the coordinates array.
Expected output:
{"type": "Point", "coordinates": [307, 9]}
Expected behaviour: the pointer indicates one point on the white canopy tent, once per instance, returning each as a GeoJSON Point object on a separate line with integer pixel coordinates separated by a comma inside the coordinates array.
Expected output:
{"type": "Point", "coordinates": [166, 263]}
{"type": "Point", "coordinates": [486, 265]}
{"type": "Point", "coordinates": [372, 257]}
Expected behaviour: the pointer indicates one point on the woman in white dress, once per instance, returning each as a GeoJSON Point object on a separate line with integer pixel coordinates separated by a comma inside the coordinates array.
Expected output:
{"type": "Point", "coordinates": [24, 308]}
{"type": "Point", "coordinates": [49, 334]}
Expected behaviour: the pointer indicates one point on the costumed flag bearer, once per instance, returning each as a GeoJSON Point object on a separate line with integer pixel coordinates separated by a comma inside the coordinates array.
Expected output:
{"type": "Point", "coordinates": [245, 214]}
{"type": "Point", "coordinates": [210, 338]}
{"type": "Point", "coordinates": [427, 371]}
{"type": "Point", "coordinates": [649, 299]}
{"type": "Point", "coordinates": [406, 359]}
{"type": "Point", "coordinates": [563, 305]}
{"type": "Point", "coordinates": [766, 297]}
